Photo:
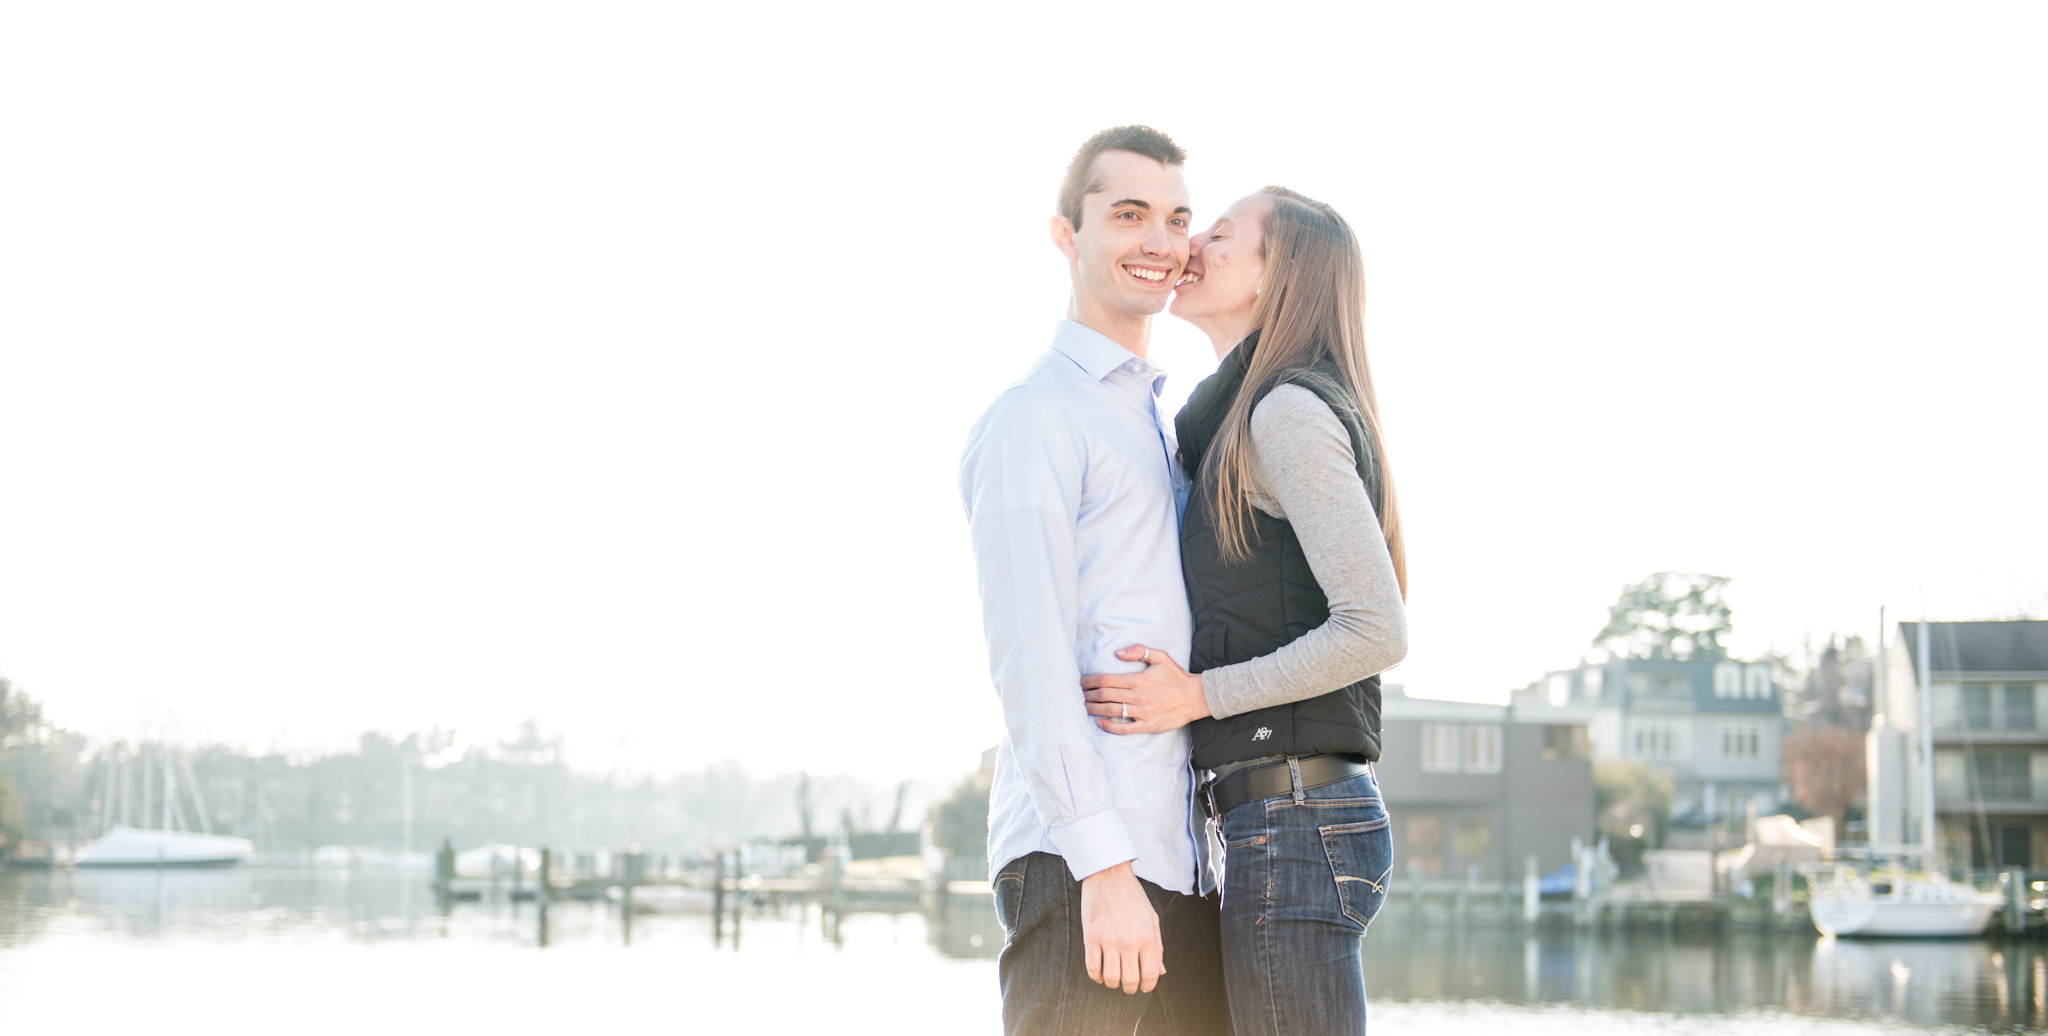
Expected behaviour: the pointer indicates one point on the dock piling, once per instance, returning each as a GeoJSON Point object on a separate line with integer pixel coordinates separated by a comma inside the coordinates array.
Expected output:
{"type": "Point", "coordinates": [1532, 901]}
{"type": "Point", "coordinates": [2015, 901]}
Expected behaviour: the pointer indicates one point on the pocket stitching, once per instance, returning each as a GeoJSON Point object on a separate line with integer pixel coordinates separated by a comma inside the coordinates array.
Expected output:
{"type": "Point", "coordinates": [1362, 827]}
{"type": "Point", "coordinates": [1016, 879]}
{"type": "Point", "coordinates": [1379, 886]}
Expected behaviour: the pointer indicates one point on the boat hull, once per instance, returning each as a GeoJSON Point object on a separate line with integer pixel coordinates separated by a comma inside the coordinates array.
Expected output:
{"type": "Point", "coordinates": [131, 847]}
{"type": "Point", "coordinates": [1883, 918]}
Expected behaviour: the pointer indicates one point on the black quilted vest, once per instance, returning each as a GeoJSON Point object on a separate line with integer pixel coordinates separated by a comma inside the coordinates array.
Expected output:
{"type": "Point", "coordinates": [1254, 607]}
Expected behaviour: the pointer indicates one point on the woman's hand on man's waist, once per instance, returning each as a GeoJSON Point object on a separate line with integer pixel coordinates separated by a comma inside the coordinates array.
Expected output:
{"type": "Point", "coordinates": [1162, 696]}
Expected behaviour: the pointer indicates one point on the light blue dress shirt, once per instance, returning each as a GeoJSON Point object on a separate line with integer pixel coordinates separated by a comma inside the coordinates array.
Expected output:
{"type": "Point", "coordinates": [1071, 491]}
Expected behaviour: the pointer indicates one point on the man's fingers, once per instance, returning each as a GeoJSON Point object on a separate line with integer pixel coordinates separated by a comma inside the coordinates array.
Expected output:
{"type": "Point", "coordinates": [1094, 961]}
{"type": "Point", "coordinates": [1133, 975]}
{"type": "Point", "coordinates": [1151, 964]}
{"type": "Point", "coordinates": [1112, 709]}
{"type": "Point", "coordinates": [1113, 965]}
{"type": "Point", "coordinates": [1134, 653]}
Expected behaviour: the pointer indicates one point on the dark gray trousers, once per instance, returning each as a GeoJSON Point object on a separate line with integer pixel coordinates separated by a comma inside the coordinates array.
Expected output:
{"type": "Point", "coordinates": [1044, 971]}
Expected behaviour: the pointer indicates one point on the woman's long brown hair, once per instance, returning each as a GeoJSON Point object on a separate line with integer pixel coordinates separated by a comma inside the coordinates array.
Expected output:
{"type": "Point", "coordinates": [1310, 317]}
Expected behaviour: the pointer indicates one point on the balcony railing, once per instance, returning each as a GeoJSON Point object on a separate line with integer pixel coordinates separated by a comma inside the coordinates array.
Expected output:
{"type": "Point", "coordinates": [1995, 789]}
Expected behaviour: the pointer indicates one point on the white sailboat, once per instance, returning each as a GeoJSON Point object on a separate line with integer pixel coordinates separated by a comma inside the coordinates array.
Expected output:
{"type": "Point", "coordinates": [170, 845]}
{"type": "Point", "coordinates": [133, 847]}
{"type": "Point", "coordinates": [1892, 902]}
{"type": "Point", "coordinates": [1878, 906]}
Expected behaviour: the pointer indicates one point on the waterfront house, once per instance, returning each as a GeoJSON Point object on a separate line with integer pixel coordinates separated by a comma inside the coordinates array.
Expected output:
{"type": "Point", "coordinates": [1475, 789]}
{"type": "Point", "coordinates": [1714, 725]}
{"type": "Point", "coordinates": [1987, 685]}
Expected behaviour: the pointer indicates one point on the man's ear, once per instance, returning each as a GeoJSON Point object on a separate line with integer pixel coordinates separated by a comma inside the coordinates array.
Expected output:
{"type": "Point", "coordinates": [1063, 238]}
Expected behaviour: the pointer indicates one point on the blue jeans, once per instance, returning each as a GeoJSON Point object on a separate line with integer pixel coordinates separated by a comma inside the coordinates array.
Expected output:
{"type": "Point", "coordinates": [1304, 873]}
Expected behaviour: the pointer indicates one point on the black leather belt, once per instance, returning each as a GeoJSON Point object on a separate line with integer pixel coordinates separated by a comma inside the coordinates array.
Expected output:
{"type": "Point", "coordinates": [1264, 782]}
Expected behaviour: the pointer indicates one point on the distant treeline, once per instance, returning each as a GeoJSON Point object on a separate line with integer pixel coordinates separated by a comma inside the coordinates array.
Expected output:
{"type": "Point", "coordinates": [57, 786]}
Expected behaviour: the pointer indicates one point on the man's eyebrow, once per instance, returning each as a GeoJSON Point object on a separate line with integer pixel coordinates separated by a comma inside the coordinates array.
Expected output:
{"type": "Point", "coordinates": [1147, 206]}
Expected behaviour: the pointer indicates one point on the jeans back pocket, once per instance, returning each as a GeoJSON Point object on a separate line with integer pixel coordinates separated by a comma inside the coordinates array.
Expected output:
{"type": "Point", "coordinates": [1009, 898]}
{"type": "Point", "coordinates": [1361, 861]}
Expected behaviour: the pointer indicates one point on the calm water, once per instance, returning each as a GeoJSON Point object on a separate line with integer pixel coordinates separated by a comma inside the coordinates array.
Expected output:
{"type": "Point", "coordinates": [336, 951]}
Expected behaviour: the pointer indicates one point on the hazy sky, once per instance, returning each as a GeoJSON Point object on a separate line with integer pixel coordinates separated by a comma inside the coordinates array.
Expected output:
{"type": "Point", "coordinates": [391, 365]}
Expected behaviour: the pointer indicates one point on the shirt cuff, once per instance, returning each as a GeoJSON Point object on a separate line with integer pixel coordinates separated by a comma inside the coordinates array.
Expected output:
{"type": "Point", "coordinates": [1224, 692]}
{"type": "Point", "coordinates": [1094, 843]}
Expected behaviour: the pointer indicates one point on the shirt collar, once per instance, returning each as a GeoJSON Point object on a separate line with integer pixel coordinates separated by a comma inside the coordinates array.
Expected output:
{"type": "Point", "coordinates": [1091, 350]}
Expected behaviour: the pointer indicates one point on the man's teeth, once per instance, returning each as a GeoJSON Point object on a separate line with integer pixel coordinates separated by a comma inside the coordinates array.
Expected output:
{"type": "Point", "coordinates": [1150, 275]}
{"type": "Point", "coordinates": [1187, 279]}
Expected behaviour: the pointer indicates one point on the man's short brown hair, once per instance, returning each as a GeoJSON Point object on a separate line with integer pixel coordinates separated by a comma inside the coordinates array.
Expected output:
{"type": "Point", "coordinates": [1081, 180]}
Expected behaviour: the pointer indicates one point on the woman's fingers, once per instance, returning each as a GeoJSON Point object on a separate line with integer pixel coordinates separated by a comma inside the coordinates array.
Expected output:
{"type": "Point", "coordinates": [1134, 653]}
{"type": "Point", "coordinates": [1110, 709]}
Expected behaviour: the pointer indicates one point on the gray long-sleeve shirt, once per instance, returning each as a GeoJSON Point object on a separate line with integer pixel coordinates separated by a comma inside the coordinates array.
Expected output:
{"type": "Point", "coordinates": [1307, 475]}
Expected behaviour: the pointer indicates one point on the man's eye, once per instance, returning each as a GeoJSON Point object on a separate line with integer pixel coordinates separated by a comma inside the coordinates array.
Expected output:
{"type": "Point", "coordinates": [1127, 215]}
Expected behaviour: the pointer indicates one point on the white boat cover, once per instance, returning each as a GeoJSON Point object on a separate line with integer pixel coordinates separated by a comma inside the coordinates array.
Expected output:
{"type": "Point", "coordinates": [496, 860]}
{"type": "Point", "coordinates": [134, 847]}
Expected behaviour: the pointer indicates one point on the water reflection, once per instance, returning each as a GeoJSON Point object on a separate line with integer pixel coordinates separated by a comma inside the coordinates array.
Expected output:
{"type": "Point", "coordinates": [1993, 984]}
{"type": "Point", "coordinates": [1653, 978]}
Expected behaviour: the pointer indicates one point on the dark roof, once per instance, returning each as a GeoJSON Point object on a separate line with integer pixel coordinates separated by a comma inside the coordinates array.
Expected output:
{"type": "Point", "coordinates": [1980, 647]}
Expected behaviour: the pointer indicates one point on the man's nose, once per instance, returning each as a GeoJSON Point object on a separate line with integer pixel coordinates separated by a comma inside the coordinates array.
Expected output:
{"type": "Point", "coordinates": [1159, 241]}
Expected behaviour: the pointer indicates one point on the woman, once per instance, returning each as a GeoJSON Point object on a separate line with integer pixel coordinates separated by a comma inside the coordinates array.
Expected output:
{"type": "Point", "coordinates": [1291, 550]}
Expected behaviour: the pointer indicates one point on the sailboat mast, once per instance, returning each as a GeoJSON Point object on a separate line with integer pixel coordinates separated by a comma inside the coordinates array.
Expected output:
{"type": "Point", "coordinates": [1927, 737]}
{"type": "Point", "coordinates": [198, 800]}
{"type": "Point", "coordinates": [170, 786]}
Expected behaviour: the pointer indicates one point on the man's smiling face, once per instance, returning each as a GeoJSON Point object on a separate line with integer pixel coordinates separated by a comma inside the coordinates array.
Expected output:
{"type": "Point", "coordinates": [1133, 241]}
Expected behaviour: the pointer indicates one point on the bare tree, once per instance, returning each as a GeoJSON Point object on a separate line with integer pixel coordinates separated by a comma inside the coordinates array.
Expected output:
{"type": "Point", "coordinates": [1824, 766]}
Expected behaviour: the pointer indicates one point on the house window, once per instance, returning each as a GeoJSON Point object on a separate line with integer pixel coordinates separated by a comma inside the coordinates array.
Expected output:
{"type": "Point", "coordinates": [1567, 741]}
{"type": "Point", "coordinates": [1742, 740]}
{"type": "Point", "coordinates": [2001, 776]}
{"type": "Point", "coordinates": [1728, 680]}
{"type": "Point", "coordinates": [1977, 705]}
{"type": "Point", "coordinates": [2019, 706]}
{"type": "Point", "coordinates": [1657, 739]}
{"type": "Point", "coordinates": [1482, 748]}
{"type": "Point", "coordinates": [1949, 782]}
{"type": "Point", "coordinates": [1474, 837]}
{"type": "Point", "coordinates": [1425, 844]}
{"type": "Point", "coordinates": [1756, 681]}
{"type": "Point", "coordinates": [1440, 748]}
{"type": "Point", "coordinates": [1948, 706]}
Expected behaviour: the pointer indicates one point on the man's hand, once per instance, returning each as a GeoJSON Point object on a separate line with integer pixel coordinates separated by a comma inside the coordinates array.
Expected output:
{"type": "Point", "coordinates": [1161, 696]}
{"type": "Point", "coordinates": [1121, 931]}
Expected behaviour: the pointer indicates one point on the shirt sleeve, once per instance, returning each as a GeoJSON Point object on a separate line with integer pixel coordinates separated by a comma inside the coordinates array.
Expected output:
{"type": "Point", "coordinates": [1020, 480]}
{"type": "Point", "coordinates": [1303, 459]}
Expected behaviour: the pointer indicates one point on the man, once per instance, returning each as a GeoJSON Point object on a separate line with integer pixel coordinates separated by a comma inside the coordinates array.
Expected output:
{"type": "Point", "coordinates": [1071, 492]}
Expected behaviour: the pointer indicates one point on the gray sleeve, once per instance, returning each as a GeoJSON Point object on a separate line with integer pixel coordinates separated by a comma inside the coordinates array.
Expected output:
{"type": "Point", "coordinates": [1308, 476]}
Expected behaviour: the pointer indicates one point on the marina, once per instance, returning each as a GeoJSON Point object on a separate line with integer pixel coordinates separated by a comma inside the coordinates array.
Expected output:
{"type": "Point", "coordinates": [283, 939]}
